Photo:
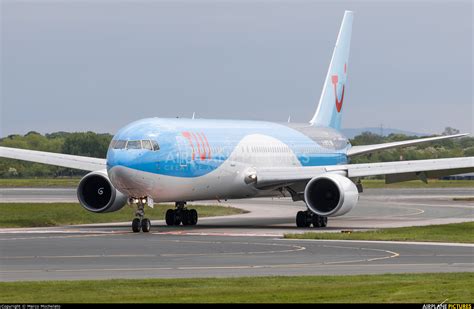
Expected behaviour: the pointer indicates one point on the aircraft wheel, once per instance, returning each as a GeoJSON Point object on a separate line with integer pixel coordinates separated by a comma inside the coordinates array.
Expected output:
{"type": "Point", "coordinates": [301, 219]}
{"type": "Point", "coordinates": [324, 221]}
{"type": "Point", "coordinates": [170, 217]}
{"type": "Point", "coordinates": [316, 220]}
{"type": "Point", "coordinates": [178, 217]}
{"type": "Point", "coordinates": [136, 225]}
{"type": "Point", "coordinates": [193, 217]}
{"type": "Point", "coordinates": [146, 225]}
{"type": "Point", "coordinates": [186, 217]}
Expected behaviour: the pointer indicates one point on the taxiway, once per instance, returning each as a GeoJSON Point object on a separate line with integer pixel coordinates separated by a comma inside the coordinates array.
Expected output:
{"type": "Point", "coordinates": [242, 245]}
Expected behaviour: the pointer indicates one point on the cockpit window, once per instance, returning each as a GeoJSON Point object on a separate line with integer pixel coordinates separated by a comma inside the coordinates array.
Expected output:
{"type": "Point", "coordinates": [119, 144]}
{"type": "Point", "coordinates": [137, 144]}
{"type": "Point", "coordinates": [134, 145]}
{"type": "Point", "coordinates": [146, 144]}
{"type": "Point", "coordinates": [156, 147]}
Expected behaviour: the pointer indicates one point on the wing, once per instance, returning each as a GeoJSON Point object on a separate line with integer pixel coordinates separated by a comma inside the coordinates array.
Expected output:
{"type": "Point", "coordinates": [365, 149]}
{"type": "Point", "coordinates": [59, 159]}
{"type": "Point", "coordinates": [394, 171]}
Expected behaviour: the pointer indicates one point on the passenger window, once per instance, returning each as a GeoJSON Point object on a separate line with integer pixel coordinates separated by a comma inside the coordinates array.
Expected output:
{"type": "Point", "coordinates": [134, 145]}
{"type": "Point", "coordinates": [120, 144]}
{"type": "Point", "coordinates": [156, 147]}
{"type": "Point", "coordinates": [146, 144]}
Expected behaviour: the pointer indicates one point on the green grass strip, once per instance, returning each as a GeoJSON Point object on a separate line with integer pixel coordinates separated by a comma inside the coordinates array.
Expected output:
{"type": "Point", "coordinates": [463, 199]}
{"type": "Point", "coordinates": [456, 232]}
{"type": "Point", "coordinates": [39, 182]}
{"type": "Point", "coordinates": [388, 288]}
{"type": "Point", "coordinates": [54, 214]}
{"type": "Point", "coordinates": [432, 183]}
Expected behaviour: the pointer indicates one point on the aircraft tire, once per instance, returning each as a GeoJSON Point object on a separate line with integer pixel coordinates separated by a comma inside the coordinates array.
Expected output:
{"type": "Point", "coordinates": [193, 217]}
{"type": "Point", "coordinates": [146, 225]}
{"type": "Point", "coordinates": [136, 225]}
{"type": "Point", "coordinates": [170, 217]}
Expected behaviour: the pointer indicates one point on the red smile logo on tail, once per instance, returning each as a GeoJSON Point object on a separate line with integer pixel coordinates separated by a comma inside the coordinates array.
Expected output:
{"type": "Point", "coordinates": [335, 80]}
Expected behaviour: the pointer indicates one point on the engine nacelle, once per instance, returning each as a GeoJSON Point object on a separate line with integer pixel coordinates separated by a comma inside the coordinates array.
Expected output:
{"type": "Point", "coordinates": [97, 194]}
{"type": "Point", "coordinates": [331, 195]}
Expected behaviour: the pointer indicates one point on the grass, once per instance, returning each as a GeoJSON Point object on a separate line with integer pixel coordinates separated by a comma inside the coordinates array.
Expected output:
{"type": "Point", "coordinates": [464, 199]}
{"type": "Point", "coordinates": [432, 183]}
{"type": "Point", "coordinates": [39, 182]}
{"type": "Point", "coordinates": [399, 288]}
{"type": "Point", "coordinates": [367, 183]}
{"type": "Point", "coordinates": [54, 214]}
{"type": "Point", "coordinates": [457, 232]}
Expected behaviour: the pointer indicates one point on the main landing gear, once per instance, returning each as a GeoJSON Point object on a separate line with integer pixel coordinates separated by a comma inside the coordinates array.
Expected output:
{"type": "Point", "coordinates": [181, 215]}
{"type": "Point", "coordinates": [306, 218]}
{"type": "Point", "coordinates": [141, 223]}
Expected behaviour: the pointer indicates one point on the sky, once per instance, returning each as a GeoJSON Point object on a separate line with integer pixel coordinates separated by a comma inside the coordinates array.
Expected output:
{"type": "Point", "coordinates": [98, 65]}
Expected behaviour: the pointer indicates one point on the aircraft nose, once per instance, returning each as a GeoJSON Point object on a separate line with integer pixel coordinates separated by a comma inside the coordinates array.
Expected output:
{"type": "Point", "coordinates": [116, 158]}
{"type": "Point", "coordinates": [119, 177]}
{"type": "Point", "coordinates": [129, 181]}
{"type": "Point", "coordinates": [125, 178]}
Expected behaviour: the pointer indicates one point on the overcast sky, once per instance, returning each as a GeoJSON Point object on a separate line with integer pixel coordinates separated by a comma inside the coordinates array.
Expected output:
{"type": "Point", "coordinates": [97, 65]}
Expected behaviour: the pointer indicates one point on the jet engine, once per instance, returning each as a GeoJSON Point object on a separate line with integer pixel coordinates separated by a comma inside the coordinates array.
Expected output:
{"type": "Point", "coordinates": [331, 195]}
{"type": "Point", "coordinates": [97, 194]}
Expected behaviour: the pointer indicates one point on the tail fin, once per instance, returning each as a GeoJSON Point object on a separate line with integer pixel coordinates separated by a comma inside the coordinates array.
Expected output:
{"type": "Point", "coordinates": [329, 110]}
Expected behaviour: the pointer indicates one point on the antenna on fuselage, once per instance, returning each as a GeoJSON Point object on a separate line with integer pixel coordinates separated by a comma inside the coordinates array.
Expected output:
{"type": "Point", "coordinates": [289, 118]}
{"type": "Point", "coordinates": [193, 115]}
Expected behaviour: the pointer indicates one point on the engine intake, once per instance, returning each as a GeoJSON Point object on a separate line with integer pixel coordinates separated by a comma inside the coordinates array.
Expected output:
{"type": "Point", "coordinates": [97, 194]}
{"type": "Point", "coordinates": [331, 195]}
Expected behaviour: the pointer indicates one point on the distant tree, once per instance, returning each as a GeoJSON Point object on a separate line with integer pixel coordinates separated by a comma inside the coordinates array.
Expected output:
{"type": "Point", "coordinates": [466, 142]}
{"type": "Point", "coordinates": [394, 137]}
{"type": "Point", "coordinates": [12, 136]}
{"type": "Point", "coordinates": [450, 131]}
{"type": "Point", "coordinates": [12, 172]}
{"type": "Point", "coordinates": [32, 132]}
{"type": "Point", "coordinates": [60, 134]}
{"type": "Point", "coordinates": [469, 152]}
{"type": "Point", "coordinates": [367, 138]}
{"type": "Point", "coordinates": [87, 144]}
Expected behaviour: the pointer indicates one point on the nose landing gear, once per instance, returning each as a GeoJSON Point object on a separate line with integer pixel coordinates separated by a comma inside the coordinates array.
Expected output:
{"type": "Point", "coordinates": [140, 222]}
{"type": "Point", "coordinates": [181, 215]}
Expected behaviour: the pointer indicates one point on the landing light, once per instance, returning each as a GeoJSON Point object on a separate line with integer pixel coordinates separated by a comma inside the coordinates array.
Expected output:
{"type": "Point", "coordinates": [251, 178]}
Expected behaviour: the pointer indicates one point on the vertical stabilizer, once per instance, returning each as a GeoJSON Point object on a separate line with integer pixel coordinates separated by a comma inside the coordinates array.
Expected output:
{"type": "Point", "coordinates": [330, 107]}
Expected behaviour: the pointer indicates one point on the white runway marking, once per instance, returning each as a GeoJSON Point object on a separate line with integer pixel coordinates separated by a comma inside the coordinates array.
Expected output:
{"type": "Point", "coordinates": [148, 269]}
{"type": "Point", "coordinates": [64, 236]}
{"type": "Point", "coordinates": [418, 243]}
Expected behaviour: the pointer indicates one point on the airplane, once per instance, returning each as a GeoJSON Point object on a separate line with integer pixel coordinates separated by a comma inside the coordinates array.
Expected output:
{"type": "Point", "coordinates": [178, 160]}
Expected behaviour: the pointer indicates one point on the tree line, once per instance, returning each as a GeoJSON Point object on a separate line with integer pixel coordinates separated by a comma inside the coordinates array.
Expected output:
{"type": "Point", "coordinates": [450, 148]}
{"type": "Point", "coordinates": [88, 144]}
{"type": "Point", "coordinates": [92, 144]}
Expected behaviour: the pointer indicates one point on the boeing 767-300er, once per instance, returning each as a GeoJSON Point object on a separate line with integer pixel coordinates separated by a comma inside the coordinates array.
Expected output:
{"type": "Point", "coordinates": [180, 160]}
